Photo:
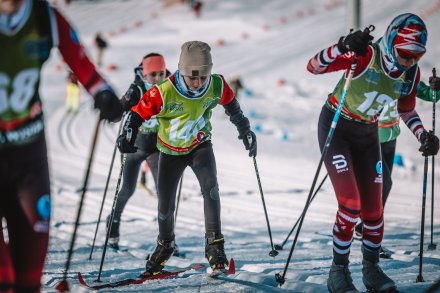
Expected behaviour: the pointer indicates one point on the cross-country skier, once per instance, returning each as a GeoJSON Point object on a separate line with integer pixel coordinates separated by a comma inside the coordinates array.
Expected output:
{"type": "Point", "coordinates": [151, 71]}
{"type": "Point", "coordinates": [183, 105]}
{"type": "Point", "coordinates": [353, 160]}
{"type": "Point", "coordinates": [28, 31]}
{"type": "Point", "coordinates": [389, 130]}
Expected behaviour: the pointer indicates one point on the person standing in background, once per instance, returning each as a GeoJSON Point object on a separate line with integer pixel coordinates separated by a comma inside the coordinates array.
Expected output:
{"type": "Point", "coordinates": [101, 45]}
{"type": "Point", "coordinates": [72, 93]}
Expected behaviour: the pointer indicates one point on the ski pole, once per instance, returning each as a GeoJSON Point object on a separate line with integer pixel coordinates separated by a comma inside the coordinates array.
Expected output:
{"type": "Point", "coordinates": [63, 285]}
{"type": "Point", "coordinates": [281, 278]}
{"type": "Point", "coordinates": [178, 199]}
{"type": "Point", "coordinates": [422, 228]}
{"type": "Point", "coordinates": [112, 214]}
{"type": "Point", "coordinates": [273, 252]}
{"type": "Point", "coordinates": [433, 246]}
{"type": "Point", "coordinates": [105, 190]}
{"type": "Point", "coordinates": [281, 246]}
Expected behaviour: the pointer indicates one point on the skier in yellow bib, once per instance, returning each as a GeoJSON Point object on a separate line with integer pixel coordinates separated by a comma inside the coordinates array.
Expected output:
{"type": "Point", "coordinates": [183, 105]}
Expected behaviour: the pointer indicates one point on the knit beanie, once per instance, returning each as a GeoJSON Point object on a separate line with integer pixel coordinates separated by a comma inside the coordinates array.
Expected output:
{"type": "Point", "coordinates": [195, 59]}
{"type": "Point", "coordinates": [152, 64]}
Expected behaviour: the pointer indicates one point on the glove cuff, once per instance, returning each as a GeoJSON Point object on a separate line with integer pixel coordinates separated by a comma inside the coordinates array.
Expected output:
{"type": "Point", "coordinates": [341, 46]}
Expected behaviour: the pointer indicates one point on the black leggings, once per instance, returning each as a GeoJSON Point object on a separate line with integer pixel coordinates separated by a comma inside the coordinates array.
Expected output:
{"type": "Point", "coordinates": [147, 150]}
{"type": "Point", "coordinates": [202, 162]}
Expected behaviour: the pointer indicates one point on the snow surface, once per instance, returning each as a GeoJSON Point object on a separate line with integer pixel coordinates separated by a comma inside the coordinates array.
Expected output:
{"type": "Point", "coordinates": [264, 42]}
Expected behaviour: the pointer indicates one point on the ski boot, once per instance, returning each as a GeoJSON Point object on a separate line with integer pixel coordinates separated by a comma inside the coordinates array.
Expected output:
{"type": "Point", "coordinates": [385, 253]}
{"type": "Point", "coordinates": [375, 280]}
{"type": "Point", "coordinates": [113, 239]}
{"type": "Point", "coordinates": [339, 280]}
{"type": "Point", "coordinates": [156, 262]}
{"type": "Point", "coordinates": [176, 250]}
{"type": "Point", "coordinates": [215, 251]}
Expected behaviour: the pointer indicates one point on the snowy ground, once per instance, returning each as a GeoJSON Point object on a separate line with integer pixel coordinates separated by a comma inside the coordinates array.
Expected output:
{"type": "Point", "coordinates": [264, 42]}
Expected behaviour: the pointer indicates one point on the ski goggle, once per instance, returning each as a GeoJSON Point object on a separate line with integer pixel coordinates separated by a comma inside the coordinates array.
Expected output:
{"type": "Point", "coordinates": [405, 54]}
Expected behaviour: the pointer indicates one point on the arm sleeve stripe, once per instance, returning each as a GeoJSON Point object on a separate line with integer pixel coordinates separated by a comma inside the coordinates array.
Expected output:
{"type": "Point", "coordinates": [412, 120]}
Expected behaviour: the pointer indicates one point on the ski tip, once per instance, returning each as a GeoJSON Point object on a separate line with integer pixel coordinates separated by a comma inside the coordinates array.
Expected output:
{"type": "Point", "coordinates": [62, 286]}
{"type": "Point", "coordinates": [231, 269]}
{"type": "Point", "coordinates": [81, 279]}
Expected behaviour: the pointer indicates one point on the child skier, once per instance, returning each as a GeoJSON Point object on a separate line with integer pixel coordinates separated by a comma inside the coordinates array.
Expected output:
{"type": "Point", "coordinates": [151, 71]}
{"type": "Point", "coordinates": [183, 104]}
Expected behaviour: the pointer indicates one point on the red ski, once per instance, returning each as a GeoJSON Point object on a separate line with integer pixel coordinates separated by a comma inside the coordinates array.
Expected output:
{"type": "Point", "coordinates": [140, 279]}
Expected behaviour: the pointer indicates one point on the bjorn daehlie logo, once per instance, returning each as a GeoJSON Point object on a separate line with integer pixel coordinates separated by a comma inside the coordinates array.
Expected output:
{"type": "Point", "coordinates": [340, 163]}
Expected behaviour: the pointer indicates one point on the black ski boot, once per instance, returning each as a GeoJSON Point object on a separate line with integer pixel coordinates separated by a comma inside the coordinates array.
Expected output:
{"type": "Point", "coordinates": [176, 250]}
{"type": "Point", "coordinates": [156, 262]}
{"type": "Point", "coordinates": [339, 280]}
{"type": "Point", "coordinates": [375, 280]}
{"type": "Point", "coordinates": [385, 253]}
{"type": "Point", "coordinates": [113, 239]}
{"type": "Point", "coordinates": [215, 251]}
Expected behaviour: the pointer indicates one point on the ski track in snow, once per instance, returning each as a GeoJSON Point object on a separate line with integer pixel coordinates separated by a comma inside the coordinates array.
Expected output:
{"type": "Point", "coordinates": [286, 167]}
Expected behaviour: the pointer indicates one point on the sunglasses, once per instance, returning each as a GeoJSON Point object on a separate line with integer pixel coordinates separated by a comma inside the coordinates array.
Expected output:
{"type": "Point", "coordinates": [409, 54]}
{"type": "Point", "coordinates": [154, 74]}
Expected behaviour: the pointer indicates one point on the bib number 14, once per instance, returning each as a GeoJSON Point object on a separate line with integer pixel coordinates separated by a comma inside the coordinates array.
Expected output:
{"type": "Point", "coordinates": [189, 129]}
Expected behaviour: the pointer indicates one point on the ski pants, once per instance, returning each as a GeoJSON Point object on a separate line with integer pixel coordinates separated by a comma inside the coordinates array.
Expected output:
{"type": "Point", "coordinates": [147, 150]}
{"type": "Point", "coordinates": [353, 162]}
{"type": "Point", "coordinates": [25, 208]}
{"type": "Point", "coordinates": [171, 167]}
{"type": "Point", "coordinates": [388, 149]}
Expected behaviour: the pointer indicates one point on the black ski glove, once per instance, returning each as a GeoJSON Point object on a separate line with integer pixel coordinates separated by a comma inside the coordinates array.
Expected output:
{"type": "Point", "coordinates": [250, 143]}
{"type": "Point", "coordinates": [133, 94]}
{"type": "Point", "coordinates": [128, 136]}
{"type": "Point", "coordinates": [109, 105]}
{"type": "Point", "coordinates": [434, 83]}
{"type": "Point", "coordinates": [236, 116]}
{"type": "Point", "coordinates": [430, 144]}
{"type": "Point", "coordinates": [356, 42]}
